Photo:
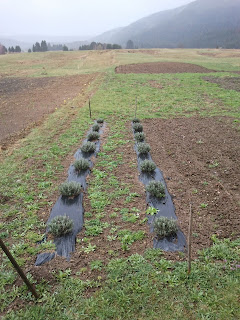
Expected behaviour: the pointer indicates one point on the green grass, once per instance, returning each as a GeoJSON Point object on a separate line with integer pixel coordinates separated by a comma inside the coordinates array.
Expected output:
{"type": "Point", "coordinates": [137, 286]}
{"type": "Point", "coordinates": [141, 287]}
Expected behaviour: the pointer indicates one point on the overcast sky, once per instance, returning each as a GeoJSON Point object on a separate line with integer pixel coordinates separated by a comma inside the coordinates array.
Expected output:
{"type": "Point", "coordinates": [75, 17]}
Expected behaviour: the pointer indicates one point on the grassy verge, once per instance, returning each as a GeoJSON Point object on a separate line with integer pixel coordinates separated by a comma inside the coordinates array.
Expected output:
{"type": "Point", "coordinates": [144, 286]}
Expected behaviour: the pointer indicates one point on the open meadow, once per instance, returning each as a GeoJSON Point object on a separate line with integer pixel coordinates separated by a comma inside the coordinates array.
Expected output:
{"type": "Point", "coordinates": [188, 102]}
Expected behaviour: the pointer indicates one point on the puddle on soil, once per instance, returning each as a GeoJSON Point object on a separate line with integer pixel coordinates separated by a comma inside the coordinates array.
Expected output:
{"type": "Point", "coordinates": [165, 206]}
{"type": "Point", "coordinates": [70, 207]}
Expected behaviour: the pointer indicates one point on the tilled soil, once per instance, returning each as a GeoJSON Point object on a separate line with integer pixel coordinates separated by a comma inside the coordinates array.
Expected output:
{"type": "Point", "coordinates": [162, 67]}
{"type": "Point", "coordinates": [199, 158]}
{"type": "Point", "coordinates": [232, 83]}
{"type": "Point", "coordinates": [25, 101]}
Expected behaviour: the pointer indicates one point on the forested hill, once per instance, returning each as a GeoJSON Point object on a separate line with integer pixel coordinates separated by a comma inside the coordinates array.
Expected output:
{"type": "Point", "coordinates": [200, 24]}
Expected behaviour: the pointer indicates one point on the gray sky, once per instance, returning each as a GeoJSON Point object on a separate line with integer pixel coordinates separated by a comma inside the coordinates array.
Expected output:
{"type": "Point", "coordinates": [75, 17]}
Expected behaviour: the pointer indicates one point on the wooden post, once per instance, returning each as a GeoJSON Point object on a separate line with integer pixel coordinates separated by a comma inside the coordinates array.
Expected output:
{"type": "Point", "coordinates": [136, 107]}
{"type": "Point", "coordinates": [19, 270]}
{"type": "Point", "coordinates": [190, 238]}
{"type": "Point", "coordinates": [90, 112]}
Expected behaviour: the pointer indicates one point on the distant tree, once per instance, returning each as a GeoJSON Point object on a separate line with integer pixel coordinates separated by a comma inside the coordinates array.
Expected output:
{"type": "Point", "coordinates": [99, 46]}
{"type": "Point", "coordinates": [11, 50]}
{"type": "Point", "coordinates": [65, 48]}
{"type": "Point", "coordinates": [109, 46]}
{"type": "Point", "coordinates": [44, 46]}
{"type": "Point", "coordinates": [130, 44]}
{"type": "Point", "coordinates": [93, 46]}
{"type": "Point", "coordinates": [2, 49]}
{"type": "Point", "coordinates": [17, 49]}
{"type": "Point", "coordinates": [116, 46]}
{"type": "Point", "coordinates": [54, 47]}
{"type": "Point", "coordinates": [29, 50]}
{"type": "Point", "coordinates": [37, 47]}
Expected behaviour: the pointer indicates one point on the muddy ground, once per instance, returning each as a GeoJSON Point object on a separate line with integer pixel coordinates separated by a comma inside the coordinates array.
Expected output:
{"type": "Point", "coordinates": [24, 102]}
{"type": "Point", "coordinates": [199, 158]}
{"type": "Point", "coordinates": [231, 83]}
{"type": "Point", "coordinates": [162, 67]}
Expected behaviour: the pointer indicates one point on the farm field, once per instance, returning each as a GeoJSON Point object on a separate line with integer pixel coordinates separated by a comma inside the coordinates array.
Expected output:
{"type": "Point", "coordinates": [190, 116]}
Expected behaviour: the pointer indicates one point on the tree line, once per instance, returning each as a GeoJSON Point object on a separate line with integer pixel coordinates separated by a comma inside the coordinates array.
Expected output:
{"type": "Point", "coordinates": [4, 50]}
{"type": "Point", "coordinates": [100, 46]}
{"type": "Point", "coordinates": [43, 46]}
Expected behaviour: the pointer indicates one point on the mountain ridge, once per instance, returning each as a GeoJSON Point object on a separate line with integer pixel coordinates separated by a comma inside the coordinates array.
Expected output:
{"type": "Point", "coordinates": [198, 24]}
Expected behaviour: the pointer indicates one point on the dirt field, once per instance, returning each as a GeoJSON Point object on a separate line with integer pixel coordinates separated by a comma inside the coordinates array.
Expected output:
{"type": "Point", "coordinates": [199, 158]}
{"type": "Point", "coordinates": [25, 101]}
{"type": "Point", "coordinates": [162, 67]}
{"type": "Point", "coordinates": [232, 83]}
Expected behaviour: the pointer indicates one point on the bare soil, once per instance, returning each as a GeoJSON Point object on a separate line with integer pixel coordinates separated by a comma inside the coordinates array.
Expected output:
{"type": "Point", "coordinates": [162, 67]}
{"type": "Point", "coordinates": [232, 83]}
{"type": "Point", "coordinates": [199, 158]}
{"type": "Point", "coordinates": [24, 102]}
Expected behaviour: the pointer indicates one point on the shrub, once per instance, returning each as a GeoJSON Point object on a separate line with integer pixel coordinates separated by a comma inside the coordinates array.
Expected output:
{"type": "Point", "coordinates": [93, 136]}
{"type": "Point", "coordinates": [143, 147]}
{"type": "Point", "coordinates": [137, 127]}
{"type": "Point", "coordinates": [70, 189]}
{"type": "Point", "coordinates": [88, 147]}
{"type": "Point", "coordinates": [95, 127]}
{"type": "Point", "coordinates": [139, 136]}
{"type": "Point", "coordinates": [81, 164]}
{"type": "Point", "coordinates": [100, 120]}
{"type": "Point", "coordinates": [60, 225]}
{"type": "Point", "coordinates": [156, 189]}
{"type": "Point", "coordinates": [135, 120]}
{"type": "Point", "coordinates": [164, 227]}
{"type": "Point", "coordinates": [147, 166]}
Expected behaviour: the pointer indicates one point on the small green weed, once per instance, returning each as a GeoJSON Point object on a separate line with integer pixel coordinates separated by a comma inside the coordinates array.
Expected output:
{"type": "Point", "coordinates": [152, 211]}
{"type": "Point", "coordinates": [89, 248]}
{"type": "Point", "coordinates": [96, 265]}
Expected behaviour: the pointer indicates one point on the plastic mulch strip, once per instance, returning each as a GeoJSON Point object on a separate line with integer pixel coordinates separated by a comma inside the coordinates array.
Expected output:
{"type": "Point", "coordinates": [164, 206]}
{"type": "Point", "coordinates": [72, 207]}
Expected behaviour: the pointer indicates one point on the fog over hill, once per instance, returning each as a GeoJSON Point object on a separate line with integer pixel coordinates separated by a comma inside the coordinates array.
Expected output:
{"type": "Point", "coordinates": [200, 24]}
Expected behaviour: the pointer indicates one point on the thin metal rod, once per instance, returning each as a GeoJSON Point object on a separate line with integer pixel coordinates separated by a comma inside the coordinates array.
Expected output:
{"type": "Point", "coordinates": [190, 239]}
{"type": "Point", "coordinates": [19, 270]}
{"type": "Point", "coordinates": [90, 111]}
